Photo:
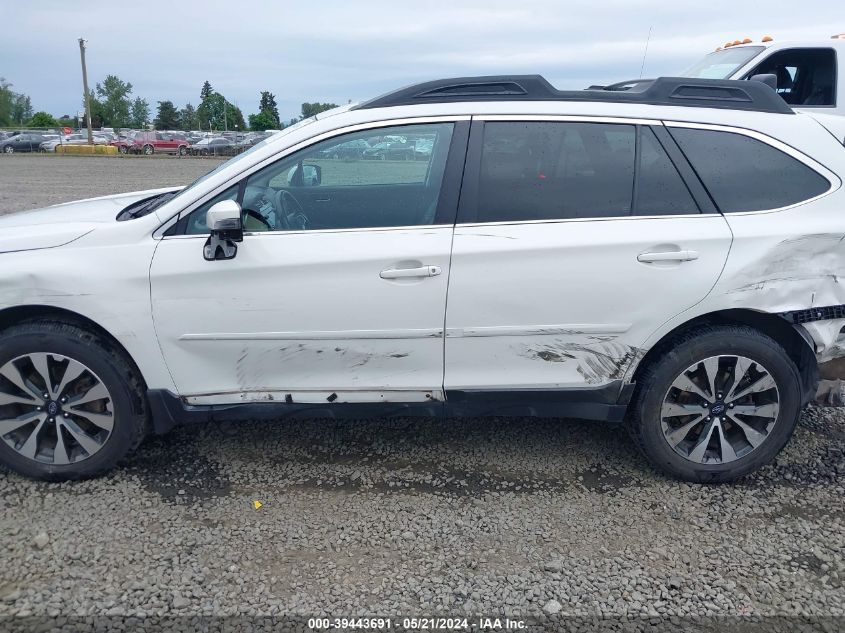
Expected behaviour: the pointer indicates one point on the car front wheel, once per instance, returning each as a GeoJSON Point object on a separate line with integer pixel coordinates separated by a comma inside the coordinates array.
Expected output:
{"type": "Point", "coordinates": [148, 150]}
{"type": "Point", "coordinates": [9, 149]}
{"type": "Point", "coordinates": [71, 404]}
{"type": "Point", "coordinates": [717, 406]}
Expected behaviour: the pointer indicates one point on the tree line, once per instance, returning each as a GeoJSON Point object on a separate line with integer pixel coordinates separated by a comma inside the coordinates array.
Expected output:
{"type": "Point", "coordinates": [113, 105]}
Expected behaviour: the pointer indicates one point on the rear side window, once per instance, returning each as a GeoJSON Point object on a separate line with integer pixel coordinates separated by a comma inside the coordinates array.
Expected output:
{"type": "Point", "coordinates": [565, 170]}
{"type": "Point", "coordinates": [548, 170]}
{"type": "Point", "coordinates": [744, 174]}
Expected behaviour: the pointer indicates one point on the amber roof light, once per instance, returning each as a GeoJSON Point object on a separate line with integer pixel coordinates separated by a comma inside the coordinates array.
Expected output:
{"type": "Point", "coordinates": [767, 38]}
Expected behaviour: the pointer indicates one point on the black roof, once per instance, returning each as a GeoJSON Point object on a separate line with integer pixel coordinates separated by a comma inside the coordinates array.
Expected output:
{"type": "Point", "coordinates": [674, 91]}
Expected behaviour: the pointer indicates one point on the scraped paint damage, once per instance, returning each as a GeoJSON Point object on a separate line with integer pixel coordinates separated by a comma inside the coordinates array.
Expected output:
{"type": "Point", "coordinates": [597, 363]}
{"type": "Point", "coordinates": [798, 273]}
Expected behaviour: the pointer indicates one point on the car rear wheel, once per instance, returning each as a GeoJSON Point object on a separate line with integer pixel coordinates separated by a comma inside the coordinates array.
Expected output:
{"type": "Point", "coordinates": [123, 149]}
{"type": "Point", "coordinates": [149, 150]}
{"type": "Point", "coordinates": [719, 405]}
{"type": "Point", "coordinates": [71, 404]}
{"type": "Point", "coordinates": [182, 150]}
{"type": "Point", "coordinates": [9, 149]}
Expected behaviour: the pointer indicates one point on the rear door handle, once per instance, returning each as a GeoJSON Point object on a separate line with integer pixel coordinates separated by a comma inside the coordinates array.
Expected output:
{"type": "Point", "coordinates": [401, 273]}
{"type": "Point", "coordinates": [668, 256]}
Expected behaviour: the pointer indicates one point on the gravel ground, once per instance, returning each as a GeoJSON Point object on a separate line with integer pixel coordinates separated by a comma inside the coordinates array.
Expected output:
{"type": "Point", "coordinates": [542, 519]}
{"type": "Point", "coordinates": [38, 180]}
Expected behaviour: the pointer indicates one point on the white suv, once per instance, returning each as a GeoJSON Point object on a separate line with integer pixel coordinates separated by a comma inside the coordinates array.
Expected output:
{"type": "Point", "coordinates": [668, 257]}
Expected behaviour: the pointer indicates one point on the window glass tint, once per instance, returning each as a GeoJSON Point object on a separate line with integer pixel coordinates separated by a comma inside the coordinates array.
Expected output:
{"type": "Point", "coordinates": [549, 170]}
{"type": "Point", "coordinates": [374, 178]}
{"type": "Point", "coordinates": [744, 174]}
{"type": "Point", "coordinates": [660, 188]}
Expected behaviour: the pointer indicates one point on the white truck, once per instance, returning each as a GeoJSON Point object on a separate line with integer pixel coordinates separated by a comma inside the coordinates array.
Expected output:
{"type": "Point", "coordinates": [810, 75]}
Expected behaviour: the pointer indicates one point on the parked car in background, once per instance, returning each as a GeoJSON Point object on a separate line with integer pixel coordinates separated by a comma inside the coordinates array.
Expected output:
{"type": "Point", "coordinates": [124, 142]}
{"type": "Point", "coordinates": [150, 143]}
{"type": "Point", "coordinates": [349, 149]}
{"type": "Point", "coordinates": [423, 148]}
{"type": "Point", "coordinates": [249, 141]}
{"type": "Point", "coordinates": [214, 147]}
{"type": "Point", "coordinates": [387, 150]}
{"type": "Point", "coordinates": [50, 145]}
{"type": "Point", "coordinates": [21, 143]}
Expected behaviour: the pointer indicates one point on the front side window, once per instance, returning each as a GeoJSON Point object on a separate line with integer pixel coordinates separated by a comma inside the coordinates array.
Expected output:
{"type": "Point", "coordinates": [805, 76]}
{"type": "Point", "coordinates": [384, 177]}
{"type": "Point", "coordinates": [744, 174]}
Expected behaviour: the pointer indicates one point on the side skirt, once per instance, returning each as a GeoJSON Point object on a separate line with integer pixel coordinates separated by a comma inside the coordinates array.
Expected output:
{"type": "Point", "coordinates": [606, 404]}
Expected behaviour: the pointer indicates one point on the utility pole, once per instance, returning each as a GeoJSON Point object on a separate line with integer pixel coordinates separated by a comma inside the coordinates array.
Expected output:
{"type": "Point", "coordinates": [87, 95]}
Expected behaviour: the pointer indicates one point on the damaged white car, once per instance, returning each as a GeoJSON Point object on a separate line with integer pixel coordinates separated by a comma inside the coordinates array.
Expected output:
{"type": "Point", "coordinates": [668, 257]}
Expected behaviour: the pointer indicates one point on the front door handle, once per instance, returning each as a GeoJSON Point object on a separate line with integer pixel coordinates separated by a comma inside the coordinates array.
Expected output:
{"type": "Point", "coordinates": [668, 256]}
{"type": "Point", "coordinates": [402, 273]}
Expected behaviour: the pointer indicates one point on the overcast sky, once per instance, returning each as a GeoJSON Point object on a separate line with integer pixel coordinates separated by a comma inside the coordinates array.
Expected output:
{"type": "Point", "coordinates": [337, 50]}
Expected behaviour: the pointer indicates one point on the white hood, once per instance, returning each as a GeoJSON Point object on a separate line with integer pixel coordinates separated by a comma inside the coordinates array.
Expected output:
{"type": "Point", "coordinates": [64, 223]}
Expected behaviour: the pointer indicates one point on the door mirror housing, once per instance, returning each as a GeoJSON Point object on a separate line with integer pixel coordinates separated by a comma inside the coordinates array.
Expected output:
{"type": "Point", "coordinates": [771, 80]}
{"type": "Point", "coordinates": [305, 175]}
{"type": "Point", "coordinates": [224, 221]}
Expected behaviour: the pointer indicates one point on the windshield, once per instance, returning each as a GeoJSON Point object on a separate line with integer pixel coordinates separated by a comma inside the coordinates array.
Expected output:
{"type": "Point", "coordinates": [722, 64]}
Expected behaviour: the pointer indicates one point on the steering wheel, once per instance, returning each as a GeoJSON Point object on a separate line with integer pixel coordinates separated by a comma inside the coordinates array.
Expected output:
{"type": "Point", "coordinates": [293, 216]}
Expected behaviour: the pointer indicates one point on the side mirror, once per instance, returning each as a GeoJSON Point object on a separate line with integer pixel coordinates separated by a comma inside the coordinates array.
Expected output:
{"type": "Point", "coordinates": [770, 79]}
{"type": "Point", "coordinates": [224, 221]}
{"type": "Point", "coordinates": [305, 175]}
{"type": "Point", "coordinates": [312, 175]}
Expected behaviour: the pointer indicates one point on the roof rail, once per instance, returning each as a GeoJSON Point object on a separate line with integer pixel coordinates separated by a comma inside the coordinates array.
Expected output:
{"type": "Point", "coordinates": [673, 91]}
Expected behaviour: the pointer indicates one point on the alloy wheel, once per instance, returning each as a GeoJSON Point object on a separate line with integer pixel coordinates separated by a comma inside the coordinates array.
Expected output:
{"type": "Point", "coordinates": [9, 149]}
{"type": "Point", "coordinates": [720, 409]}
{"type": "Point", "coordinates": [53, 409]}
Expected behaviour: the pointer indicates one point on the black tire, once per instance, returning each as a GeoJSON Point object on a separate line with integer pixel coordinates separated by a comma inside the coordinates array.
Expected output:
{"type": "Point", "coordinates": [117, 373]}
{"type": "Point", "coordinates": [182, 150]}
{"type": "Point", "coordinates": [9, 149]}
{"type": "Point", "coordinates": [644, 422]}
{"type": "Point", "coordinates": [123, 149]}
{"type": "Point", "coordinates": [149, 150]}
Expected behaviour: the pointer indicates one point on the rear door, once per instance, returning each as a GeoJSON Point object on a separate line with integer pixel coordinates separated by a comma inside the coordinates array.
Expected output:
{"type": "Point", "coordinates": [575, 240]}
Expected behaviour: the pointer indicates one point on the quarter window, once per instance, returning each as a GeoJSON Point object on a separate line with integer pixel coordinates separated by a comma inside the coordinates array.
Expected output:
{"type": "Point", "coordinates": [744, 174]}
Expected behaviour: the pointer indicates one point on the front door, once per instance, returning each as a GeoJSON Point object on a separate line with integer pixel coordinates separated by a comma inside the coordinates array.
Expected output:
{"type": "Point", "coordinates": [336, 296]}
{"type": "Point", "coordinates": [579, 240]}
